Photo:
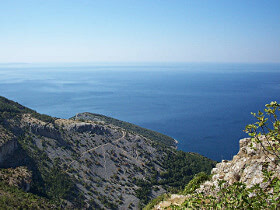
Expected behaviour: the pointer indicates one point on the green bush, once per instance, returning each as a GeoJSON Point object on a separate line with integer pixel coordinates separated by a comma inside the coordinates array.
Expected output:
{"type": "Point", "coordinates": [14, 198]}
{"type": "Point", "coordinates": [155, 201]}
{"type": "Point", "coordinates": [181, 167]}
{"type": "Point", "coordinates": [237, 196]}
{"type": "Point", "coordinates": [266, 131]}
{"type": "Point", "coordinates": [195, 182]}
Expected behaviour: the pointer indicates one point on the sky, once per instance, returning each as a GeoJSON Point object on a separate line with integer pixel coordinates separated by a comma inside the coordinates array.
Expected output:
{"type": "Point", "coordinates": [140, 31]}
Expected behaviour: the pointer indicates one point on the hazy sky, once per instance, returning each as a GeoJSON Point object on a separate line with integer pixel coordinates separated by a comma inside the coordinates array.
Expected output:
{"type": "Point", "coordinates": [139, 31]}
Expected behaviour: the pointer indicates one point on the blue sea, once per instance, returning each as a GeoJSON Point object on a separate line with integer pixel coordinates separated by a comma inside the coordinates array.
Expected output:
{"type": "Point", "coordinates": [204, 106]}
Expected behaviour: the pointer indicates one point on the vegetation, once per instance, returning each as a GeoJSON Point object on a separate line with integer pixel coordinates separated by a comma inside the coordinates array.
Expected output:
{"type": "Point", "coordinates": [9, 108]}
{"type": "Point", "coordinates": [43, 117]}
{"type": "Point", "coordinates": [266, 131]}
{"type": "Point", "coordinates": [196, 182]}
{"type": "Point", "coordinates": [12, 107]}
{"type": "Point", "coordinates": [14, 198]}
{"type": "Point", "coordinates": [48, 181]}
{"type": "Point", "coordinates": [143, 192]}
{"type": "Point", "coordinates": [180, 167]}
{"type": "Point", "coordinates": [155, 201]}
{"type": "Point", "coordinates": [104, 200]}
{"type": "Point", "coordinates": [237, 196]}
{"type": "Point", "coordinates": [189, 188]}
{"type": "Point", "coordinates": [134, 128]}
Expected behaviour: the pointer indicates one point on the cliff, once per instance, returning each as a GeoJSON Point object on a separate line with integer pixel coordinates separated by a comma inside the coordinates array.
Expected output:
{"type": "Point", "coordinates": [6, 149]}
{"type": "Point", "coordinates": [8, 144]}
{"type": "Point", "coordinates": [249, 168]}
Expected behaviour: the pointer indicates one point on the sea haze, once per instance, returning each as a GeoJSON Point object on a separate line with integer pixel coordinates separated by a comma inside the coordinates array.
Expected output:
{"type": "Point", "coordinates": [204, 106]}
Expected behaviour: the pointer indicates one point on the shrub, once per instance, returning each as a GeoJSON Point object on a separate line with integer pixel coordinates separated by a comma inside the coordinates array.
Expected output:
{"type": "Point", "coordinates": [195, 182]}
{"type": "Point", "coordinates": [266, 131]}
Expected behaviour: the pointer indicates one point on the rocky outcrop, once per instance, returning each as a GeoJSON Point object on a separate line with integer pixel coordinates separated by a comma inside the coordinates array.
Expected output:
{"type": "Point", "coordinates": [82, 127]}
{"type": "Point", "coordinates": [39, 127]}
{"type": "Point", "coordinates": [246, 167]}
{"type": "Point", "coordinates": [8, 144]}
{"type": "Point", "coordinates": [87, 116]}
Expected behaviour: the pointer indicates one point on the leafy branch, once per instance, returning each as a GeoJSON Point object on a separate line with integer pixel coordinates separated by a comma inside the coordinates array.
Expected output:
{"type": "Point", "coordinates": [266, 131]}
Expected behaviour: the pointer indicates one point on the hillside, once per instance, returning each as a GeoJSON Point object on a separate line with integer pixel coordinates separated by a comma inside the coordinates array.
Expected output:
{"type": "Point", "coordinates": [251, 180]}
{"type": "Point", "coordinates": [161, 138]}
{"type": "Point", "coordinates": [91, 161]}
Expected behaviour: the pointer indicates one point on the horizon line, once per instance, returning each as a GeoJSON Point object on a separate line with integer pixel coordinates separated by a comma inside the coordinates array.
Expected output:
{"type": "Point", "coordinates": [135, 62]}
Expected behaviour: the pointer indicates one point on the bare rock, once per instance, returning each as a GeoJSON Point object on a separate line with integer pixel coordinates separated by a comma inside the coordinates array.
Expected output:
{"type": "Point", "coordinates": [245, 167]}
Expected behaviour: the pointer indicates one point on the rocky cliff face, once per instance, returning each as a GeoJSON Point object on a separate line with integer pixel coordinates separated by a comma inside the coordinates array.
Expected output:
{"type": "Point", "coordinates": [246, 167]}
{"type": "Point", "coordinates": [8, 144]}
{"type": "Point", "coordinates": [7, 149]}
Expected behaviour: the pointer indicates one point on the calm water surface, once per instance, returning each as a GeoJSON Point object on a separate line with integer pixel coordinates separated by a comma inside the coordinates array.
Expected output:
{"type": "Point", "coordinates": [204, 106]}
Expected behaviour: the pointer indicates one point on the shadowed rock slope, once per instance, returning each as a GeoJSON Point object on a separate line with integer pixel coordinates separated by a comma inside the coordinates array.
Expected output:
{"type": "Point", "coordinates": [90, 162]}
